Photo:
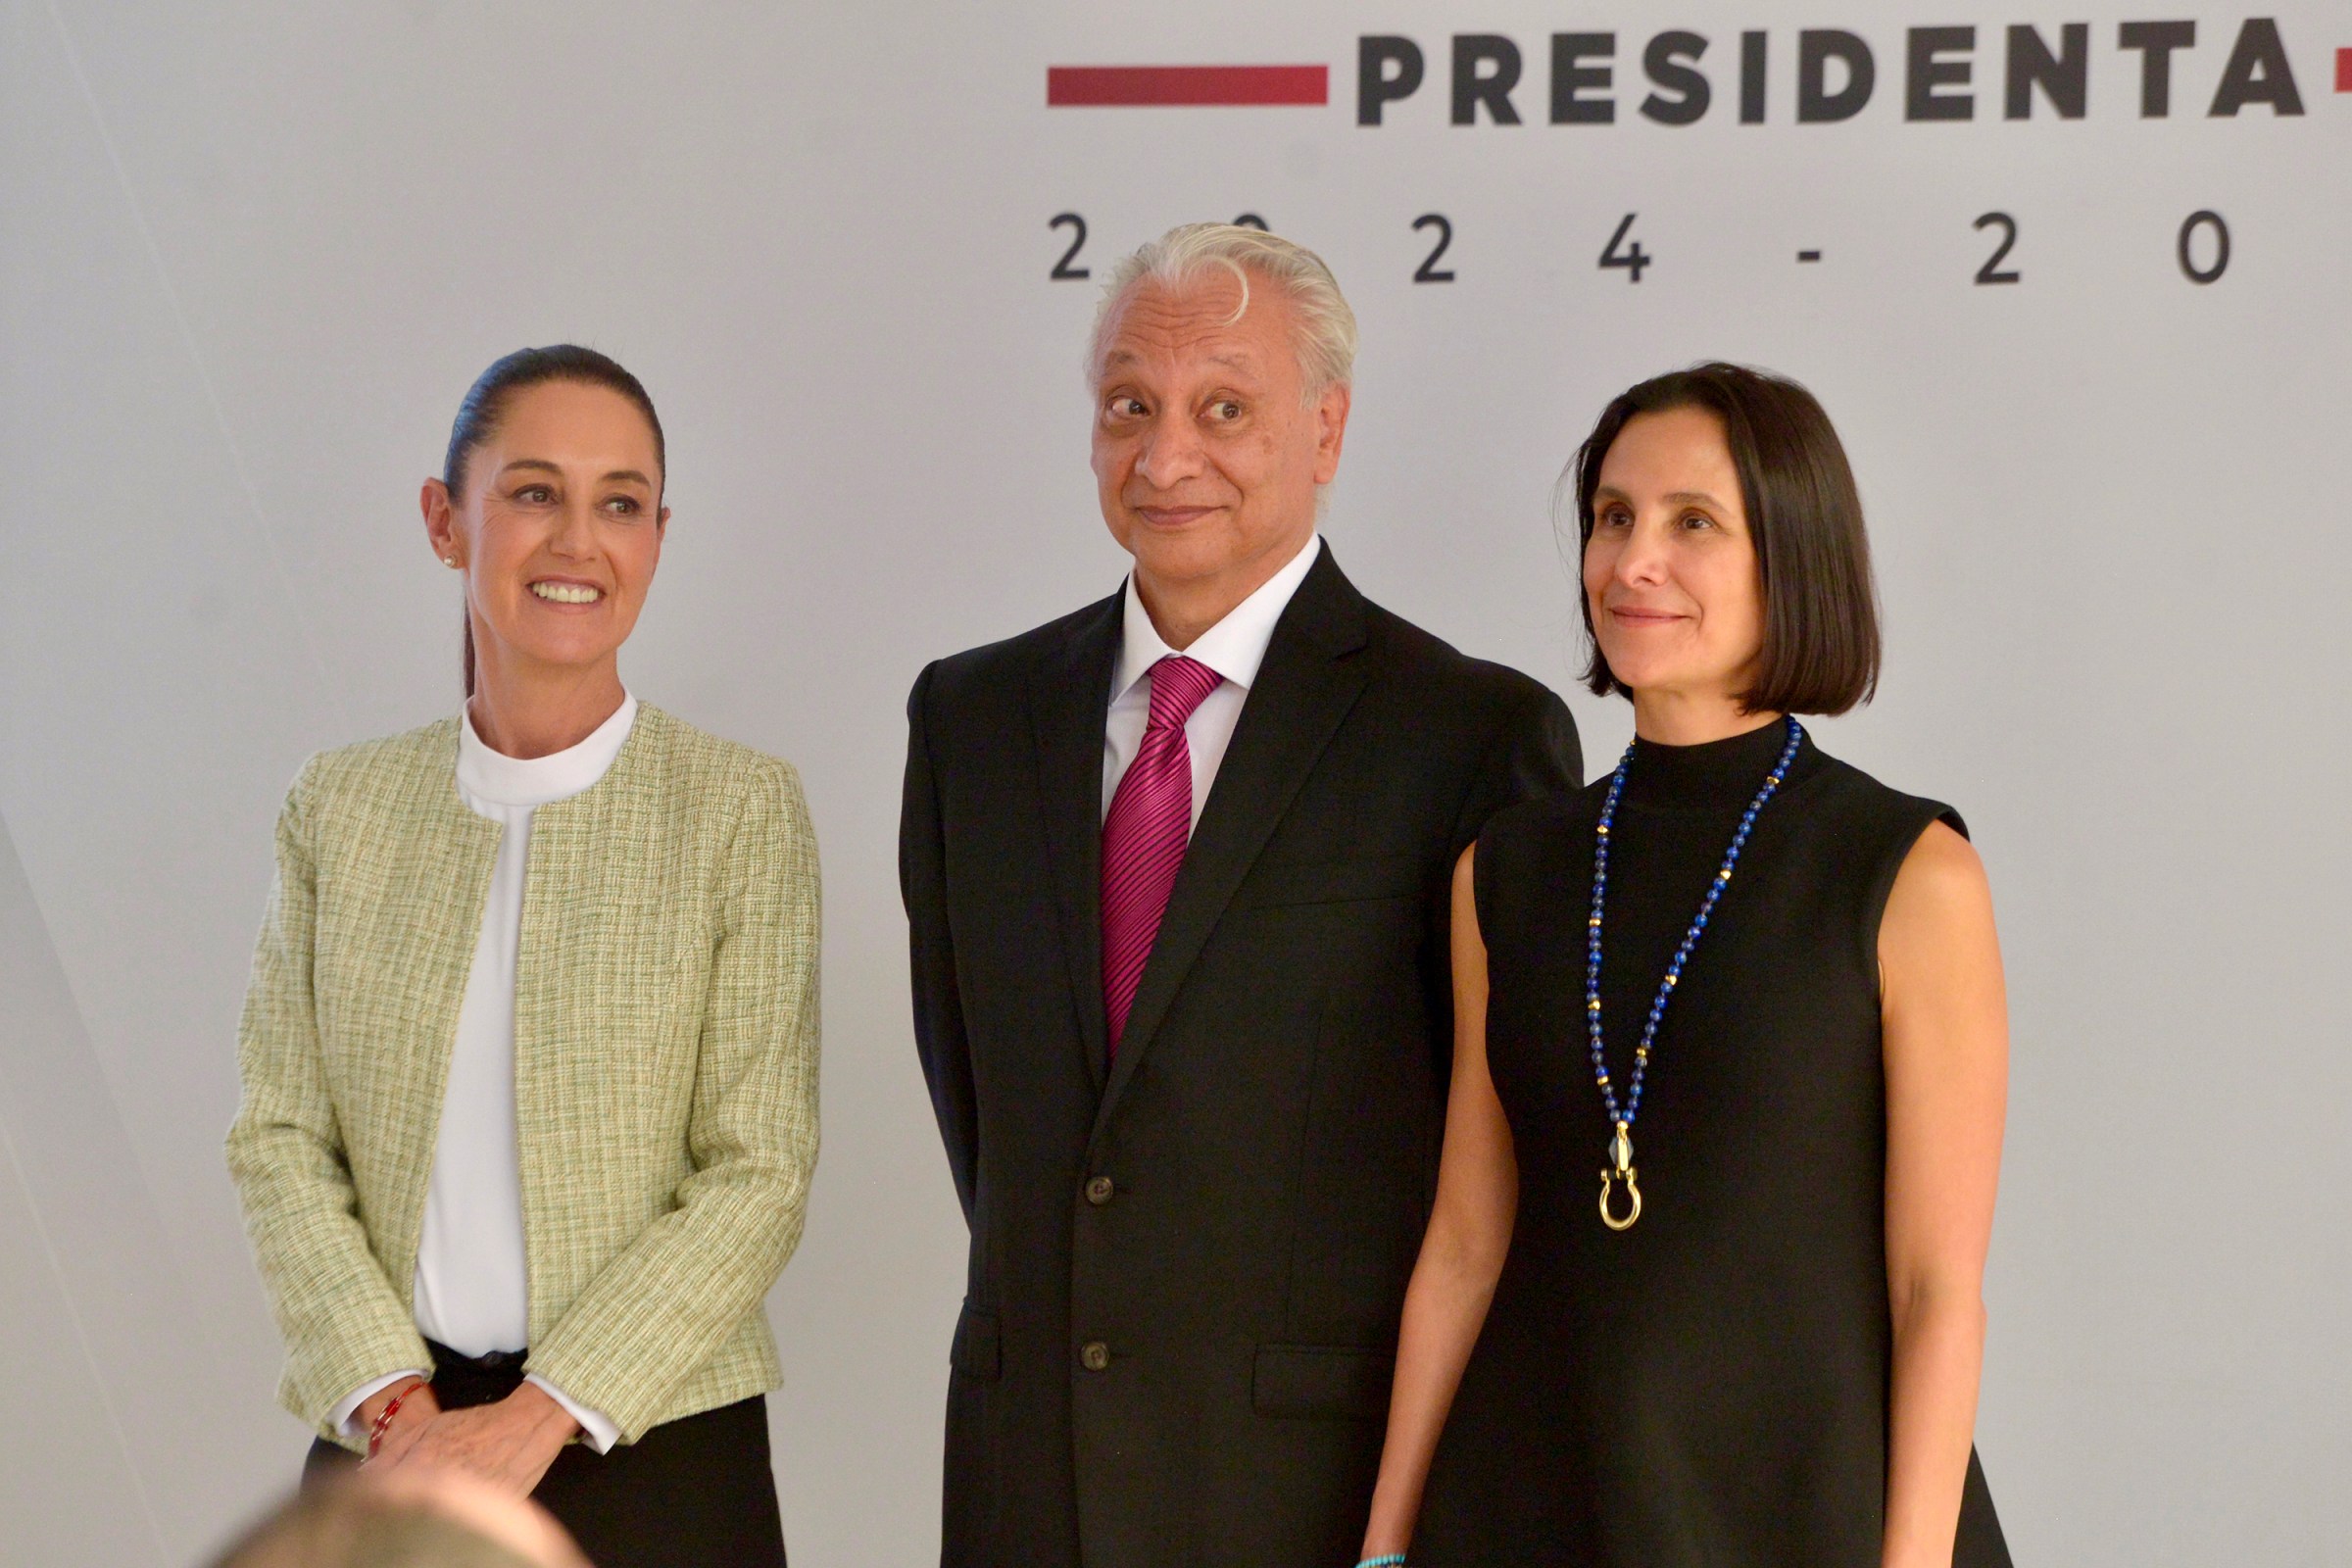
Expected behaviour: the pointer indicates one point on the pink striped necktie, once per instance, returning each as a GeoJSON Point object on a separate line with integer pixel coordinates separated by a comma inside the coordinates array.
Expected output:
{"type": "Point", "coordinates": [1144, 834]}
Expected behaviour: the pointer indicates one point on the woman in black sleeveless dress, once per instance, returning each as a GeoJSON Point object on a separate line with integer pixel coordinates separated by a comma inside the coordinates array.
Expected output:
{"type": "Point", "coordinates": [1774, 1359]}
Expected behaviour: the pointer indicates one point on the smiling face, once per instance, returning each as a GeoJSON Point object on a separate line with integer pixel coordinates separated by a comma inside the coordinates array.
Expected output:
{"type": "Point", "coordinates": [1671, 574]}
{"type": "Point", "coordinates": [559, 528]}
{"type": "Point", "coordinates": [1206, 452]}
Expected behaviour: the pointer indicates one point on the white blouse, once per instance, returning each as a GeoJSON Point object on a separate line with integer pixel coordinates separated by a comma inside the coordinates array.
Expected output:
{"type": "Point", "coordinates": [471, 1284]}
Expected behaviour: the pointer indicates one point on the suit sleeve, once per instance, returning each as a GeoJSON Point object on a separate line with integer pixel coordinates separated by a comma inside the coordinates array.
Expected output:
{"type": "Point", "coordinates": [660, 1308]}
{"type": "Point", "coordinates": [343, 1323]}
{"type": "Point", "coordinates": [1533, 754]}
{"type": "Point", "coordinates": [938, 1034]}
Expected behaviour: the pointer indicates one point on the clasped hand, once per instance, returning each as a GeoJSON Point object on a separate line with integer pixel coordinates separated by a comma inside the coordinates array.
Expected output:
{"type": "Point", "coordinates": [509, 1443]}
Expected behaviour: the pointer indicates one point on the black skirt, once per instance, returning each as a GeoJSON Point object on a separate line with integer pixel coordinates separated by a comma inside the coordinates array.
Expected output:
{"type": "Point", "coordinates": [695, 1490]}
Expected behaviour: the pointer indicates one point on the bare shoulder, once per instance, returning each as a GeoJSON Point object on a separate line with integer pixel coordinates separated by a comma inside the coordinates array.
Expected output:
{"type": "Point", "coordinates": [1943, 867]}
{"type": "Point", "coordinates": [1941, 900]}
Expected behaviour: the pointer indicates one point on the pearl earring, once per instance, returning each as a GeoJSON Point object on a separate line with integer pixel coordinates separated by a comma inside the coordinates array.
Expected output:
{"type": "Point", "coordinates": [449, 560]}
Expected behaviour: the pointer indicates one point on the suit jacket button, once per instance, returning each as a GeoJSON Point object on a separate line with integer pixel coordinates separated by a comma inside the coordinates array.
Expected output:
{"type": "Point", "coordinates": [1098, 1190]}
{"type": "Point", "coordinates": [1096, 1357]}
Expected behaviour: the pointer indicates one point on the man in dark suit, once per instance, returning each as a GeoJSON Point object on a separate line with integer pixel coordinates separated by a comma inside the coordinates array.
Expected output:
{"type": "Point", "coordinates": [1189, 1045]}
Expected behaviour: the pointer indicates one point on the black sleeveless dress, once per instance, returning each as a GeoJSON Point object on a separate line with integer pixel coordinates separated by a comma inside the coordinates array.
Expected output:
{"type": "Point", "coordinates": [1710, 1387]}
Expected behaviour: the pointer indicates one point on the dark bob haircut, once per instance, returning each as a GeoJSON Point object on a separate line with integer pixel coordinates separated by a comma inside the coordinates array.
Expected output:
{"type": "Point", "coordinates": [1820, 609]}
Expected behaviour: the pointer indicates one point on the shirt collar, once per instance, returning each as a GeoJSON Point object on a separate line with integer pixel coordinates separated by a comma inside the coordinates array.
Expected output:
{"type": "Point", "coordinates": [1234, 647]}
{"type": "Point", "coordinates": [535, 781]}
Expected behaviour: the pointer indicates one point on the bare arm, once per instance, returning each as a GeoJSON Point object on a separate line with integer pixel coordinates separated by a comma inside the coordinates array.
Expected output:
{"type": "Point", "coordinates": [1461, 1257]}
{"type": "Point", "coordinates": [1946, 1045]}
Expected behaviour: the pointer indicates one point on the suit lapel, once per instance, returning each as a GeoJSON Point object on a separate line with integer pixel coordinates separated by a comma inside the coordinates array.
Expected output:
{"type": "Point", "coordinates": [1069, 700]}
{"type": "Point", "coordinates": [1305, 686]}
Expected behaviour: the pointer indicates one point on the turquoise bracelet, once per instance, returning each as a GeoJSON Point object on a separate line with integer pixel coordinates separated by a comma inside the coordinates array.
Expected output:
{"type": "Point", "coordinates": [1395, 1559]}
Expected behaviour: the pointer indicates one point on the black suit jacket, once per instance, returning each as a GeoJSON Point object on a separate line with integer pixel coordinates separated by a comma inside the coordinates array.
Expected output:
{"type": "Point", "coordinates": [1187, 1267]}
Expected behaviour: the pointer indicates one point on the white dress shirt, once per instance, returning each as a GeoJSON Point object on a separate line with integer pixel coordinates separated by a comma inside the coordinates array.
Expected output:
{"type": "Point", "coordinates": [472, 1284]}
{"type": "Point", "coordinates": [1234, 648]}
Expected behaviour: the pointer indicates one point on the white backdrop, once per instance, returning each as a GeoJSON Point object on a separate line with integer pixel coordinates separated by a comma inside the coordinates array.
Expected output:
{"type": "Point", "coordinates": [254, 254]}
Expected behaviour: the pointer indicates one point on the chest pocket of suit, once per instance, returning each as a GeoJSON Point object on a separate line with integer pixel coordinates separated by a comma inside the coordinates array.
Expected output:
{"type": "Point", "coordinates": [1362, 879]}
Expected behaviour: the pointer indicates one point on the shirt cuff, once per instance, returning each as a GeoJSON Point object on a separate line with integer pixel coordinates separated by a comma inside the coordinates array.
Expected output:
{"type": "Point", "coordinates": [345, 1417]}
{"type": "Point", "coordinates": [595, 1428]}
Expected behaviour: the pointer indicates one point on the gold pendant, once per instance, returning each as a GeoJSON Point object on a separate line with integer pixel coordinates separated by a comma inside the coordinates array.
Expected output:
{"type": "Point", "coordinates": [1621, 1148]}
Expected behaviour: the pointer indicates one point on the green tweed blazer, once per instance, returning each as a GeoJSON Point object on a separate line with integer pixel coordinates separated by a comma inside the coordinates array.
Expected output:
{"type": "Point", "coordinates": [665, 1044]}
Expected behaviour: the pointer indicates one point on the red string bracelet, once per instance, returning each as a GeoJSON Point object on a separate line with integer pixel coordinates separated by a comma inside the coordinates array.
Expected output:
{"type": "Point", "coordinates": [383, 1417]}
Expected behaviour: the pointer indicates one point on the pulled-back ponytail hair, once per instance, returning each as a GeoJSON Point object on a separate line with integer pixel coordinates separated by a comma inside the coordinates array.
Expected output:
{"type": "Point", "coordinates": [486, 401]}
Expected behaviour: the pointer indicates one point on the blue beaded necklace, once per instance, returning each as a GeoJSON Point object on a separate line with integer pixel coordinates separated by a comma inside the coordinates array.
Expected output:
{"type": "Point", "coordinates": [1621, 1147]}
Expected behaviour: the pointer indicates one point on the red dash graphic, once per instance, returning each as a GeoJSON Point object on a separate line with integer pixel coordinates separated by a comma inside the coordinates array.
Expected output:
{"type": "Point", "coordinates": [1191, 86]}
{"type": "Point", "coordinates": [2343, 70]}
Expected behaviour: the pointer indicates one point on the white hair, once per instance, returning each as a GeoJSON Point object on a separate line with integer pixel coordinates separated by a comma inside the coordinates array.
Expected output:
{"type": "Point", "coordinates": [1180, 258]}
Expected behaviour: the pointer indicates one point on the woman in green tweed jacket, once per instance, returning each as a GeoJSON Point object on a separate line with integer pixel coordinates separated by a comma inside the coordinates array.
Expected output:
{"type": "Point", "coordinates": [529, 1050]}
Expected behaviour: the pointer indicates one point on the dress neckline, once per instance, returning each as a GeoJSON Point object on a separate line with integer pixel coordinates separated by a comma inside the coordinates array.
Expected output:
{"type": "Point", "coordinates": [1724, 773]}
